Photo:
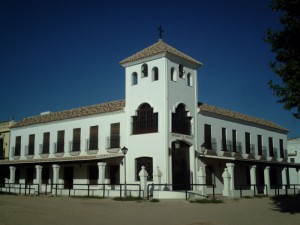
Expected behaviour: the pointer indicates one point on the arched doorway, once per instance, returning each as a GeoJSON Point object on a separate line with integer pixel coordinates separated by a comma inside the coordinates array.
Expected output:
{"type": "Point", "coordinates": [181, 166]}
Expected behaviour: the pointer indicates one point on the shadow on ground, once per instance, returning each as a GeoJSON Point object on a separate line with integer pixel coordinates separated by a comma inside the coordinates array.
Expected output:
{"type": "Point", "coordinates": [286, 204]}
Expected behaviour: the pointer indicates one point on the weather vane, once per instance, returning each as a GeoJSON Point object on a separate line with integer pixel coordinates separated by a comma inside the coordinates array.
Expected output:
{"type": "Point", "coordinates": [160, 31]}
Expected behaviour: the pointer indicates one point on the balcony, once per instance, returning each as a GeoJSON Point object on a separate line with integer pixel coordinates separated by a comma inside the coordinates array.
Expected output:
{"type": "Point", "coordinates": [74, 147]}
{"type": "Point", "coordinates": [113, 144]}
{"type": "Point", "coordinates": [92, 146]}
{"type": "Point", "coordinates": [29, 151]}
{"type": "Point", "coordinates": [44, 149]}
{"type": "Point", "coordinates": [210, 148]}
{"type": "Point", "coordinates": [59, 148]}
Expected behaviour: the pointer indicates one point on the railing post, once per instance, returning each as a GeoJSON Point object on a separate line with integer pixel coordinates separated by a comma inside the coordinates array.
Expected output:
{"type": "Point", "coordinates": [120, 190]}
{"type": "Point", "coordinates": [104, 190]}
{"type": "Point", "coordinates": [254, 190]}
{"type": "Point", "coordinates": [88, 190]}
{"type": "Point", "coordinates": [38, 190]}
{"type": "Point", "coordinates": [241, 194]}
{"type": "Point", "coordinates": [286, 190]}
{"type": "Point", "coordinates": [213, 192]}
{"type": "Point", "coordinates": [56, 189]}
{"type": "Point", "coordinates": [69, 191]}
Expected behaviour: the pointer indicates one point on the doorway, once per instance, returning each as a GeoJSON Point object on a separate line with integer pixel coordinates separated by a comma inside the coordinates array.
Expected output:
{"type": "Point", "coordinates": [68, 177]}
{"type": "Point", "coordinates": [181, 167]}
{"type": "Point", "coordinates": [114, 174]}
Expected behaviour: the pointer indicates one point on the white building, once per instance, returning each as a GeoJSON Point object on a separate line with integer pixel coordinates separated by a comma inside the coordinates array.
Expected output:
{"type": "Point", "coordinates": [178, 140]}
{"type": "Point", "coordinates": [293, 146]}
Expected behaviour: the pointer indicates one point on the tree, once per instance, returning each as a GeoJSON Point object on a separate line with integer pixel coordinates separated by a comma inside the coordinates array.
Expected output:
{"type": "Point", "coordinates": [286, 46]}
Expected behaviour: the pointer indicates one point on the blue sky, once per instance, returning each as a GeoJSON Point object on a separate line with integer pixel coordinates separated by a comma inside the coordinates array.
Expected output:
{"type": "Point", "coordinates": [57, 55]}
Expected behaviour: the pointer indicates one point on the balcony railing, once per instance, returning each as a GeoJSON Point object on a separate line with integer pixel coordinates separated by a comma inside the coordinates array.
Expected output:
{"type": "Point", "coordinates": [113, 142]}
{"type": "Point", "coordinates": [59, 147]}
{"type": "Point", "coordinates": [74, 146]}
{"type": "Point", "coordinates": [239, 147]}
{"type": "Point", "coordinates": [264, 151]}
{"type": "Point", "coordinates": [16, 151]}
{"type": "Point", "coordinates": [92, 144]}
{"type": "Point", "coordinates": [44, 148]}
{"type": "Point", "coordinates": [275, 153]}
{"type": "Point", "coordinates": [29, 150]}
{"type": "Point", "coordinates": [252, 149]}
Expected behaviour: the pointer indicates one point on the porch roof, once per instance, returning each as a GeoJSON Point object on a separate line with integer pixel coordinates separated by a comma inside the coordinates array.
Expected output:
{"type": "Point", "coordinates": [61, 159]}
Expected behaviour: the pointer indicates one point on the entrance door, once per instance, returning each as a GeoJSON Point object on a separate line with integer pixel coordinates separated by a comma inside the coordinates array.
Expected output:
{"type": "Point", "coordinates": [114, 174]}
{"type": "Point", "coordinates": [181, 167]}
{"type": "Point", "coordinates": [68, 177]}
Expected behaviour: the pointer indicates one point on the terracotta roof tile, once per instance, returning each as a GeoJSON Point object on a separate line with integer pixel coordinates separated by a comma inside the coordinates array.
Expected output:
{"type": "Point", "coordinates": [73, 113]}
{"type": "Point", "coordinates": [155, 49]}
{"type": "Point", "coordinates": [239, 116]}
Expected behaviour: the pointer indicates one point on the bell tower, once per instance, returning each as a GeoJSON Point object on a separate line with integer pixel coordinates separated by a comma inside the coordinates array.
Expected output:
{"type": "Point", "coordinates": [161, 107]}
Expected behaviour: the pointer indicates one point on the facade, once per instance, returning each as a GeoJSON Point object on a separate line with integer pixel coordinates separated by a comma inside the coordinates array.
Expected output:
{"type": "Point", "coordinates": [293, 146]}
{"type": "Point", "coordinates": [172, 139]}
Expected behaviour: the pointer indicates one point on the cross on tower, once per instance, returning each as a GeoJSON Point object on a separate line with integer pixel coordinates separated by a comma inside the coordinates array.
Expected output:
{"type": "Point", "coordinates": [160, 31]}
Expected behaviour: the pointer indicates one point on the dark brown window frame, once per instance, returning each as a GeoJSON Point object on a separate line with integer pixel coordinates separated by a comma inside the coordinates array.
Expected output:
{"type": "Point", "coordinates": [181, 122]}
{"type": "Point", "coordinates": [145, 121]}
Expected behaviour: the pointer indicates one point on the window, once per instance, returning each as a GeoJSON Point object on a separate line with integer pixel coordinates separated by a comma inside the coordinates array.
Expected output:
{"type": "Point", "coordinates": [93, 141]}
{"type": "Point", "coordinates": [155, 73]}
{"type": "Point", "coordinates": [144, 70]}
{"type": "Point", "coordinates": [259, 144]}
{"type": "Point", "coordinates": [189, 80]}
{"type": "Point", "coordinates": [115, 135]}
{"type": "Point", "coordinates": [173, 74]}
{"type": "Point", "coordinates": [29, 175]}
{"type": "Point", "coordinates": [181, 71]}
{"type": "Point", "coordinates": [281, 148]}
{"type": "Point", "coordinates": [147, 163]}
{"type": "Point", "coordinates": [224, 147]}
{"type": "Point", "coordinates": [271, 150]}
{"type": "Point", "coordinates": [134, 78]}
{"type": "Point", "coordinates": [247, 143]}
{"type": "Point", "coordinates": [46, 143]}
{"type": "Point", "coordinates": [145, 121]}
{"type": "Point", "coordinates": [18, 146]}
{"type": "Point", "coordinates": [207, 136]}
{"type": "Point", "coordinates": [181, 122]}
{"type": "Point", "coordinates": [76, 140]}
{"type": "Point", "coordinates": [234, 140]}
{"type": "Point", "coordinates": [93, 175]}
{"type": "Point", "coordinates": [31, 144]}
{"type": "Point", "coordinates": [60, 145]}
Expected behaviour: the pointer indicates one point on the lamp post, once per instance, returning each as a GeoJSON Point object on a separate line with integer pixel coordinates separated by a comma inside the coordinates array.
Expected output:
{"type": "Point", "coordinates": [124, 151]}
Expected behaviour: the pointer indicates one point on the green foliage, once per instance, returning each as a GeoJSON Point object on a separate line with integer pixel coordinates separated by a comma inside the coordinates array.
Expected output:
{"type": "Point", "coordinates": [286, 46]}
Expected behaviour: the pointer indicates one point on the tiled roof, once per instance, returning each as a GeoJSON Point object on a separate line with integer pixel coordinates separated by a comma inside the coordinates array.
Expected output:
{"type": "Point", "coordinates": [239, 116]}
{"type": "Point", "coordinates": [155, 49]}
{"type": "Point", "coordinates": [73, 113]}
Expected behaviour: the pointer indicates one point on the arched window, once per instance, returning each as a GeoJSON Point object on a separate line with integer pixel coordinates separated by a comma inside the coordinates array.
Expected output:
{"type": "Point", "coordinates": [155, 73]}
{"type": "Point", "coordinates": [181, 71]}
{"type": "Point", "coordinates": [134, 78]}
{"type": "Point", "coordinates": [145, 120]}
{"type": "Point", "coordinates": [144, 70]}
{"type": "Point", "coordinates": [181, 122]}
{"type": "Point", "coordinates": [173, 74]}
{"type": "Point", "coordinates": [147, 162]}
{"type": "Point", "coordinates": [189, 80]}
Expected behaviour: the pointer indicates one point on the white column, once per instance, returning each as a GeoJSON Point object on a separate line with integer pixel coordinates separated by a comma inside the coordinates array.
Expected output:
{"type": "Point", "coordinates": [230, 168]}
{"type": "Point", "coordinates": [12, 174]}
{"type": "Point", "coordinates": [201, 176]}
{"type": "Point", "coordinates": [143, 180]}
{"type": "Point", "coordinates": [298, 175]}
{"type": "Point", "coordinates": [55, 173]}
{"type": "Point", "coordinates": [226, 181]}
{"type": "Point", "coordinates": [253, 176]}
{"type": "Point", "coordinates": [157, 174]}
{"type": "Point", "coordinates": [267, 179]}
{"type": "Point", "coordinates": [284, 177]}
{"type": "Point", "coordinates": [101, 172]}
{"type": "Point", "coordinates": [38, 173]}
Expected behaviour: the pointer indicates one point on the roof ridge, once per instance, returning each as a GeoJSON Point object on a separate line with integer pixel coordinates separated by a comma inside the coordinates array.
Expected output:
{"type": "Point", "coordinates": [157, 48]}
{"type": "Point", "coordinates": [239, 116]}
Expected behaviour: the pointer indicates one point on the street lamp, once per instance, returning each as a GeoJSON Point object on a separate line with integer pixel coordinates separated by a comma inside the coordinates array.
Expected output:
{"type": "Point", "coordinates": [124, 151]}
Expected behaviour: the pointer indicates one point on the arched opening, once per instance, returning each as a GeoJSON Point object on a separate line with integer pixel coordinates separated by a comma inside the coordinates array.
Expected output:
{"type": "Point", "coordinates": [134, 78]}
{"type": "Point", "coordinates": [147, 162]}
{"type": "Point", "coordinates": [181, 71]}
{"type": "Point", "coordinates": [181, 174]}
{"type": "Point", "coordinates": [154, 74]}
{"type": "Point", "coordinates": [189, 80]}
{"type": "Point", "coordinates": [145, 121]}
{"type": "Point", "coordinates": [173, 74]}
{"type": "Point", "coordinates": [181, 122]}
{"type": "Point", "coordinates": [144, 70]}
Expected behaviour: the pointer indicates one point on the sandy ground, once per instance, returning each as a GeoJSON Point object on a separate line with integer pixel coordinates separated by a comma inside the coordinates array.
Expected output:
{"type": "Point", "coordinates": [45, 210]}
